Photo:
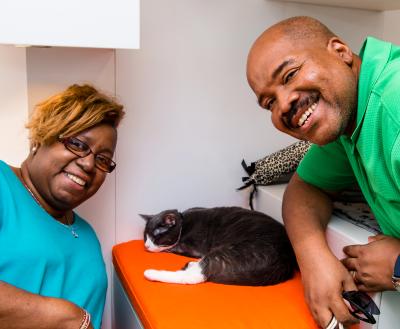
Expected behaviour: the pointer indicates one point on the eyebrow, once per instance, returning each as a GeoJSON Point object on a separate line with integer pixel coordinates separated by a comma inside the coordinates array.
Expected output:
{"type": "Point", "coordinates": [276, 72]}
{"type": "Point", "coordinates": [279, 69]}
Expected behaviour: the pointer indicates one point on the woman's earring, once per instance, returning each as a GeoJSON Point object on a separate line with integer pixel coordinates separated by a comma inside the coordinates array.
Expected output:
{"type": "Point", "coordinates": [34, 149]}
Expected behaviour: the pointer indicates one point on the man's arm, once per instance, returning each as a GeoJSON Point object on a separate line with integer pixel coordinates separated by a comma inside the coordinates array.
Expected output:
{"type": "Point", "coordinates": [20, 309]}
{"type": "Point", "coordinates": [306, 213]}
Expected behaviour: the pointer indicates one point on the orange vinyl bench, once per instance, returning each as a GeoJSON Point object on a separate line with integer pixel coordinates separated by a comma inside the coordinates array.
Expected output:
{"type": "Point", "coordinates": [202, 306]}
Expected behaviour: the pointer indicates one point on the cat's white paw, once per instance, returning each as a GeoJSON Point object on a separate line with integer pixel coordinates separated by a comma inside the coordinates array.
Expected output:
{"type": "Point", "coordinates": [152, 275]}
{"type": "Point", "coordinates": [191, 275]}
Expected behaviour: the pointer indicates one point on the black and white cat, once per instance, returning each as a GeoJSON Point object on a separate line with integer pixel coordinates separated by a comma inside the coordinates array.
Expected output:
{"type": "Point", "coordinates": [235, 246]}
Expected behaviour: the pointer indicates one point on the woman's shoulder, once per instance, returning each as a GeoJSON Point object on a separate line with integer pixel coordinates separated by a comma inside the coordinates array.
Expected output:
{"type": "Point", "coordinates": [7, 175]}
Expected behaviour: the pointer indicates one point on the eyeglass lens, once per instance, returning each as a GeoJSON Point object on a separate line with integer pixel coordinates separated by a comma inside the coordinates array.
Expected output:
{"type": "Point", "coordinates": [81, 149]}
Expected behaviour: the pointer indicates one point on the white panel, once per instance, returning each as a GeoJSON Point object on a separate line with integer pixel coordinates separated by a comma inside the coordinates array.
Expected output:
{"type": "Point", "coordinates": [51, 70]}
{"type": "Point", "coordinates": [390, 317]}
{"type": "Point", "coordinates": [73, 23]}
{"type": "Point", "coordinates": [191, 116]}
{"type": "Point", "coordinates": [360, 4]}
{"type": "Point", "coordinates": [14, 144]}
{"type": "Point", "coordinates": [124, 315]}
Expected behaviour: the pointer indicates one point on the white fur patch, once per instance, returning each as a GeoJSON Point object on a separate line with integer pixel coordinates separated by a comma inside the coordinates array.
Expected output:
{"type": "Point", "coordinates": [150, 246]}
{"type": "Point", "coordinates": [191, 275]}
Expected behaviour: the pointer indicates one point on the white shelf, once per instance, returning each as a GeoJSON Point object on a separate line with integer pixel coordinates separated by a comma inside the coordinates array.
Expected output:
{"type": "Point", "coordinates": [339, 232]}
{"type": "Point", "coordinates": [72, 23]}
{"type": "Point", "coordinates": [379, 5]}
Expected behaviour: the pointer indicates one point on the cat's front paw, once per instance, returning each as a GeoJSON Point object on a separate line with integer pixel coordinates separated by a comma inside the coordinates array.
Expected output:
{"type": "Point", "coordinates": [152, 275]}
{"type": "Point", "coordinates": [191, 275]}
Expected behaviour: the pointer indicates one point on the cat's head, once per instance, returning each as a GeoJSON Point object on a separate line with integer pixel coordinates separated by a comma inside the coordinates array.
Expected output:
{"type": "Point", "coordinates": [162, 231]}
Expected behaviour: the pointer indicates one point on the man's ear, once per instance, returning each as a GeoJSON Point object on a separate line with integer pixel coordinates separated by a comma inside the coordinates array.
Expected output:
{"type": "Point", "coordinates": [341, 49]}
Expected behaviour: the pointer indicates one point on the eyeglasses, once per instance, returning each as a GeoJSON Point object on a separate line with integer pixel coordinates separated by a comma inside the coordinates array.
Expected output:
{"type": "Point", "coordinates": [82, 150]}
{"type": "Point", "coordinates": [362, 305]}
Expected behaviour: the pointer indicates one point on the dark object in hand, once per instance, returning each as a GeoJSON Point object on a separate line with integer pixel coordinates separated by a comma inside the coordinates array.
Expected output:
{"type": "Point", "coordinates": [362, 305]}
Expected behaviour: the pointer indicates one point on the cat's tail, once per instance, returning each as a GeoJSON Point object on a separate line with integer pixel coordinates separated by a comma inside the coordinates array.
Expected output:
{"type": "Point", "coordinates": [192, 273]}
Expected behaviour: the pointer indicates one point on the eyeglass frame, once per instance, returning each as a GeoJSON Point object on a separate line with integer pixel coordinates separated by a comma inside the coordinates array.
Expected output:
{"type": "Point", "coordinates": [65, 142]}
{"type": "Point", "coordinates": [368, 310]}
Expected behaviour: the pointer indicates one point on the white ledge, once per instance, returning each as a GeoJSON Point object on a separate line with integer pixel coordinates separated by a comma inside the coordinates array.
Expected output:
{"type": "Point", "coordinates": [339, 232]}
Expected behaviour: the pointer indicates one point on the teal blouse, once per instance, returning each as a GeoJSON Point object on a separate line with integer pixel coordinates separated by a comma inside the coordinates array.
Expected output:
{"type": "Point", "coordinates": [41, 255]}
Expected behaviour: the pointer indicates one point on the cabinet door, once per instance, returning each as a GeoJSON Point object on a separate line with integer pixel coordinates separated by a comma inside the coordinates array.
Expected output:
{"type": "Point", "coordinates": [72, 23]}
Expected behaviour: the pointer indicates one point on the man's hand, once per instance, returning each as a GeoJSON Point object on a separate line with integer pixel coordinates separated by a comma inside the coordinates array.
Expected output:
{"type": "Point", "coordinates": [324, 281]}
{"type": "Point", "coordinates": [373, 263]}
{"type": "Point", "coordinates": [306, 212]}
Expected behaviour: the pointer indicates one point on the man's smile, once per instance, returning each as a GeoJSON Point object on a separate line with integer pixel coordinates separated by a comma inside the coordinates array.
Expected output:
{"type": "Point", "coordinates": [306, 115]}
{"type": "Point", "coordinates": [302, 111]}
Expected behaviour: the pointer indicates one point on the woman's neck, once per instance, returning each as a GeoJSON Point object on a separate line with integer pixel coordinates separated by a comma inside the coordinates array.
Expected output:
{"type": "Point", "coordinates": [64, 217]}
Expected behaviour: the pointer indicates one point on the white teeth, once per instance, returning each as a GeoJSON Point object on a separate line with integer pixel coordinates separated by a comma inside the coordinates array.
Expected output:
{"type": "Point", "coordinates": [76, 179]}
{"type": "Point", "coordinates": [306, 114]}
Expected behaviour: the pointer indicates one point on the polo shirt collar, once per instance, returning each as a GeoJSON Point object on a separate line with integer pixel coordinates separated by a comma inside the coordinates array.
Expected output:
{"type": "Point", "coordinates": [374, 56]}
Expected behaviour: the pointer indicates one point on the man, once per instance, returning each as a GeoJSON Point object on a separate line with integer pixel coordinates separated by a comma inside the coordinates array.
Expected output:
{"type": "Point", "coordinates": [318, 90]}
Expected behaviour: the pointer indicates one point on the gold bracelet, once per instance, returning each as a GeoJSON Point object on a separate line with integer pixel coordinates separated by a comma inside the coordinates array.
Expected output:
{"type": "Point", "coordinates": [85, 320]}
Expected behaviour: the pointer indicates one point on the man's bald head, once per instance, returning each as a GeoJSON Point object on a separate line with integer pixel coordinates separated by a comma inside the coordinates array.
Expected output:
{"type": "Point", "coordinates": [301, 29]}
{"type": "Point", "coordinates": [299, 32]}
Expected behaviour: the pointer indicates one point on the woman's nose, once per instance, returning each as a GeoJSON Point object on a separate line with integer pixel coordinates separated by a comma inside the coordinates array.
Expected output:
{"type": "Point", "coordinates": [87, 163]}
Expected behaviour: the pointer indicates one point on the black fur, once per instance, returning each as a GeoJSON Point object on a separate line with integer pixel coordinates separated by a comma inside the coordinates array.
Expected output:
{"type": "Point", "coordinates": [237, 246]}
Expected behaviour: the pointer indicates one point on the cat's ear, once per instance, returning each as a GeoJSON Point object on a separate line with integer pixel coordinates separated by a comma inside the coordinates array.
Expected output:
{"type": "Point", "coordinates": [146, 217]}
{"type": "Point", "coordinates": [169, 219]}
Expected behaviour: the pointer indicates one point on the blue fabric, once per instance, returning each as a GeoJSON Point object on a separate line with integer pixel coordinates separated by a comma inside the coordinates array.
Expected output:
{"type": "Point", "coordinates": [40, 255]}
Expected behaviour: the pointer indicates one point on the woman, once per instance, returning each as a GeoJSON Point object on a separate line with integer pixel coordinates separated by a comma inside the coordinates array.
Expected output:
{"type": "Point", "coordinates": [52, 273]}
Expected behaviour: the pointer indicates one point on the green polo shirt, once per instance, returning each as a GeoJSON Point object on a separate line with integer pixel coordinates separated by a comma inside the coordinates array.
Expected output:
{"type": "Point", "coordinates": [371, 155]}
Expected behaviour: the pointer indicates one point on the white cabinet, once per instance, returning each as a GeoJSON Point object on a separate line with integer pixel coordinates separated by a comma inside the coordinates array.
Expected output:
{"type": "Point", "coordinates": [72, 23]}
{"type": "Point", "coordinates": [360, 4]}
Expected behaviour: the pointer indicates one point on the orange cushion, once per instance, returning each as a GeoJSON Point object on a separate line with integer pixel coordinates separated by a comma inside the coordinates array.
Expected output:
{"type": "Point", "coordinates": [206, 305]}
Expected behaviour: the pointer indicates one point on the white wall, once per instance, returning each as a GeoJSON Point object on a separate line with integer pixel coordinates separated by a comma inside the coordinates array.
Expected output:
{"type": "Point", "coordinates": [51, 70]}
{"type": "Point", "coordinates": [191, 116]}
{"type": "Point", "coordinates": [14, 144]}
{"type": "Point", "coordinates": [391, 26]}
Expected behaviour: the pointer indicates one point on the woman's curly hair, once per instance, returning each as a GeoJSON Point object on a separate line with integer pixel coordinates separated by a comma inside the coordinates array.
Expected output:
{"type": "Point", "coordinates": [70, 112]}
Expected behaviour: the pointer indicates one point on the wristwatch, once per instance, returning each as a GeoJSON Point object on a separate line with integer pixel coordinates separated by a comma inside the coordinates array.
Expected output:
{"type": "Point", "coordinates": [396, 275]}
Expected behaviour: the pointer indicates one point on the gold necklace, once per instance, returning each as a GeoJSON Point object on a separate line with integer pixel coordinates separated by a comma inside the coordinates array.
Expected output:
{"type": "Point", "coordinates": [69, 224]}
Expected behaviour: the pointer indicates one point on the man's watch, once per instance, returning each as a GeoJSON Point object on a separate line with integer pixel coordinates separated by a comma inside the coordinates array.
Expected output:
{"type": "Point", "coordinates": [396, 274]}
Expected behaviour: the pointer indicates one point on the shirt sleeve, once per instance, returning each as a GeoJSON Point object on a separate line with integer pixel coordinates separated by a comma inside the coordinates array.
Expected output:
{"type": "Point", "coordinates": [327, 167]}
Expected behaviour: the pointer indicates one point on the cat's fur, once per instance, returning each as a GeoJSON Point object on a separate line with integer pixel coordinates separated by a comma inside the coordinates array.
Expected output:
{"type": "Point", "coordinates": [235, 246]}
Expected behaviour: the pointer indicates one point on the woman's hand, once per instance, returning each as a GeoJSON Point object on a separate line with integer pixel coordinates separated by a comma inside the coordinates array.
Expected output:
{"type": "Point", "coordinates": [373, 263]}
